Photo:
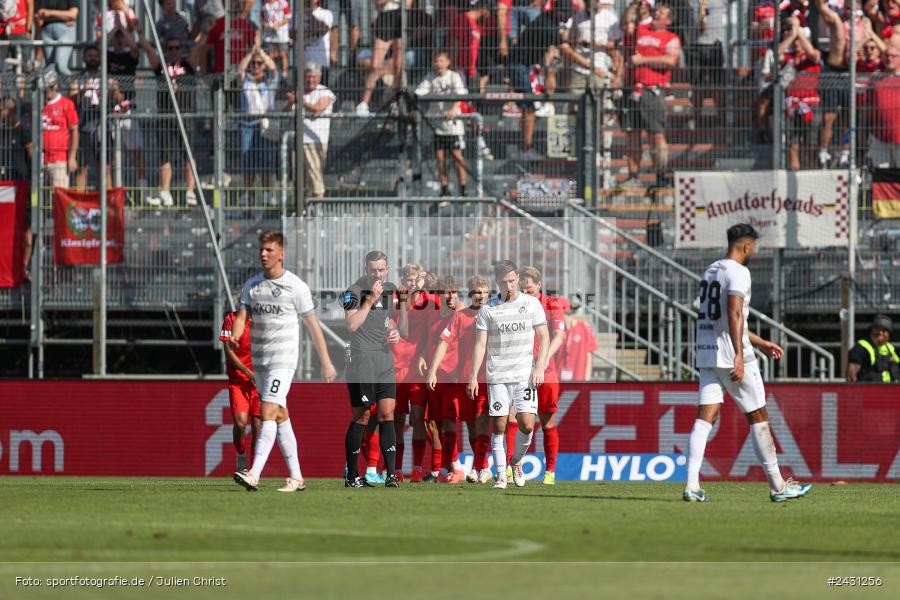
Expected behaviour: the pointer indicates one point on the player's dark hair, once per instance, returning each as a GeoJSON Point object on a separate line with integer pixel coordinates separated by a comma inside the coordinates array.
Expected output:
{"type": "Point", "coordinates": [375, 255]}
{"type": "Point", "coordinates": [502, 268]}
{"type": "Point", "coordinates": [272, 235]}
{"type": "Point", "coordinates": [741, 231]}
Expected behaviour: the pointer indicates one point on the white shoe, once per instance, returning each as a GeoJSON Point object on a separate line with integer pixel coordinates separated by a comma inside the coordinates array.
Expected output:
{"type": "Point", "coordinates": [500, 482]}
{"type": "Point", "coordinates": [472, 476]}
{"type": "Point", "coordinates": [484, 476]}
{"type": "Point", "coordinates": [824, 158]}
{"type": "Point", "coordinates": [190, 198]}
{"type": "Point", "coordinates": [518, 475]}
{"type": "Point", "coordinates": [246, 480]}
{"type": "Point", "coordinates": [152, 201]}
{"type": "Point", "coordinates": [362, 109]}
{"type": "Point", "coordinates": [293, 485]}
{"type": "Point", "coordinates": [166, 197]}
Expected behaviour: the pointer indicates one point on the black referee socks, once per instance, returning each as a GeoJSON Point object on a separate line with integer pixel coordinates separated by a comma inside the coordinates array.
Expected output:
{"type": "Point", "coordinates": [387, 436]}
{"type": "Point", "coordinates": [352, 444]}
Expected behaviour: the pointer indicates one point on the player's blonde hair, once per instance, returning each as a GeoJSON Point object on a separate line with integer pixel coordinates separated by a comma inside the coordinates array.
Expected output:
{"type": "Point", "coordinates": [272, 235]}
{"type": "Point", "coordinates": [530, 272]}
{"type": "Point", "coordinates": [477, 281]}
{"type": "Point", "coordinates": [410, 269]}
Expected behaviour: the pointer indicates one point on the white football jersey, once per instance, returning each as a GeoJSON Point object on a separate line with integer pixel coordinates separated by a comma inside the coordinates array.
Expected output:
{"type": "Point", "coordinates": [276, 306]}
{"type": "Point", "coordinates": [510, 346]}
{"type": "Point", "coordinates": [721, 279]}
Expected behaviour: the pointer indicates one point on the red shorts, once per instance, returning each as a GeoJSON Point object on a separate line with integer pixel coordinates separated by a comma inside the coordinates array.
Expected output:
{"type": "Point", "coordinates": [435, 410]}
{"type": "Point", "coordinates": [548, 395]}
{"type": "Point", "coordinates": [244, 398]}
{"type": "Point", "coordinates": [410, 394]}
{"type": "Point", "coordinates": [469, 409]}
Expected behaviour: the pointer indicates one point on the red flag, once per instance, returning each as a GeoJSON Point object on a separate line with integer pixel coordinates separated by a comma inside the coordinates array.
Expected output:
{"type": "Point", "coordinates": [886, 193]}
{"type": "Point", "coordinates": [13, 204]}
{"type": "Point", "coordinates": [76, 219]}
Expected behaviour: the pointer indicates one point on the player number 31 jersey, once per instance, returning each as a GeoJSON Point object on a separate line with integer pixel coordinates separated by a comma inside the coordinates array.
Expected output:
{"type": "Point", "coordinates": [721, 279]}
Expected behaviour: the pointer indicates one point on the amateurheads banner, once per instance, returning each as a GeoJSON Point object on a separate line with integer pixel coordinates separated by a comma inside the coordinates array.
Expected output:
{"type": "Point", "coordinates": [76, 218]}
{"type": "Point", "coordinates": [805, 209]}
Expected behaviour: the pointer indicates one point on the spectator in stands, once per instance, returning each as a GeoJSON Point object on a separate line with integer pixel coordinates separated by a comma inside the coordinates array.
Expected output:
{"type": "Point", "coordinates": [448, 131]}
{"type": "Point", "coordinates": [16, 25]}
{"type": "Point", "coordinates": [521, 14]}
{"type": "Point", "coordinates": [875, 360]}
{"type": "Point", "coordinates": [318, 23]}
{"type": "Point", "coordinates": [533, 61]}
{"type": "Point", "coordinates": [15, 164]}
{"type": "Point", "coordinates": [57, 19]}
{"type": "Point", "coordinates": [494, 47]}
{"type": "Point", "coordinates": [575, 358]}
{"type": "Point", "coordinates": [207, 15]}
{"type": "Point", "coordinates": [59, 124]}
{"type": "Point", "coordinates": [317, 100]}
{"type": "Point", "coordinates": [387, 38]}
{"type": "Point", "coordinates": [276, 16]}
{"type": "Point", "coordinates": [259, 85]}
{"type": "Point", "coordinates": [465, 38]}
{"type": "Point", "coordinates": [362, 14]}
{"type": "Point", "coordinates": [122, 60]}
{"type": "Point", "coordinates": [883, 112]}
{"type": "Point", "coordinates": [242, 35]}
{"type": "Point", "coordinates": [705, 57]}
{"type": "Point", "coordinates": [85, 93]}
{"type": "Point", "coordinates": [579, 46]}
{"type": "Point", "coordinates": [171, 25]}
{"type": "Point", "coordinates": [171, 146]}
{"type": "Point", "coordinates": [801, 100]}
{"type": "Point", "coordinates": [657, 52]}
{"type": "Point", "coordinates": [118, 13]}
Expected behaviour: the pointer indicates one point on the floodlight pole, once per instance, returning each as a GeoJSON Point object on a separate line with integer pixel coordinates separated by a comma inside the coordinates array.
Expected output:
{"type": "Point", "coordinates": [299, 79]}
{"type": "Point", "coordinates": [847, 340]}
{"type": "Point", "coordinates": [193, 163]}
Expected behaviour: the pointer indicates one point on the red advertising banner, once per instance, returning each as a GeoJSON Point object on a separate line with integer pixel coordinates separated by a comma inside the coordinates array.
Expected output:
{"type": "Point", "coordinates": [823, 432]}
{"type": "Point", "coordinates": [13, 204]}
{"type": "Point", "coordinates": [76, 224]}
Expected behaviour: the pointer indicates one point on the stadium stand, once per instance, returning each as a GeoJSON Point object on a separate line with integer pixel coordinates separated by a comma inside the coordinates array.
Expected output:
{"type": "Point", "coordinates": [734, 99]}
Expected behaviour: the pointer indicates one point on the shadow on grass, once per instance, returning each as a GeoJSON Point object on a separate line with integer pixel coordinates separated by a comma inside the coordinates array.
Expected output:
{"type": "Point", "coordinates": [884, 556]}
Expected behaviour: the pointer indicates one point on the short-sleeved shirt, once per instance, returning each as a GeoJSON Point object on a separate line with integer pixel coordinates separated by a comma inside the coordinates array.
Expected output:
{"type": "Point", "coordinates": [122, 63]}
{"type": "Point", "coordinates": [722, 279]}
{"type": "Point", "coordinates": [274, 13]}
{"type": "Point", "coordinates": [14, 163]}
{"type": "Point", "coordinates": [243, 351]}
{"type": "Point", "coordinates": [179, 71]}
{"type": "Point", "coordinates": [868, 372]}
{"type": "Point", "coordinates": [556, 321]}
{"type": "Point", "coordinates": [372, 334]}
{"type": "Point", "coordinates": [450, 82]}
{"type": "Point", "coordinates": [447, 369]}
{"type": "Point", "coordinates": [579, 342]}
{"type": "Point", "coordinates": [174, 27]}
{"type": "Point", "coordinates": [510, 345]}
{"type": "Point", "coordinates": [57, 117]}
{"type": "Point", "coordinates": [460, 335]}
{"type": "Point", "coordinates": [276, 306]}
{"type": "Point", "coordinates": [317, 130]}
{"type": "Point", "coordinates": [606, 29]}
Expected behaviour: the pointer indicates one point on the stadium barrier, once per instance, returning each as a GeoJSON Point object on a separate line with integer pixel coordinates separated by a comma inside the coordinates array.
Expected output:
{"type": "Point", "coordinates": [823, 432]}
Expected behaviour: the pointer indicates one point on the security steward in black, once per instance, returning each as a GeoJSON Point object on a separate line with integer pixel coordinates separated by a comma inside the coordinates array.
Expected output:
{"type": "Point", "coordinates": [373, 310]}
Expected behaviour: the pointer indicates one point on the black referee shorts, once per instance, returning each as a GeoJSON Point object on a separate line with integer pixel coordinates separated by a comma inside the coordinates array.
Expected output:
{"type": "Point", "coordinates": [370, 377]}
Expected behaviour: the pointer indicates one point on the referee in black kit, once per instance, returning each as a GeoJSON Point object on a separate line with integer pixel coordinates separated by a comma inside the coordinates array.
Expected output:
{"type": "Point", "coordinates": [369, 306]}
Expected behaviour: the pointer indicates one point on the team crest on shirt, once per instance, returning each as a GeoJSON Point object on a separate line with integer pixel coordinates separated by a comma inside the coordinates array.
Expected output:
{"type": "Point", "coordinates": [522, 310]}
{"type": "Point", "coordinates": [276, 292]}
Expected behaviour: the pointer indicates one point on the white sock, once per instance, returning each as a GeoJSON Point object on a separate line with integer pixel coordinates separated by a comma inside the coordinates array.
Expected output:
{"type": "Point", "coordinates": [371, 470]}
{"type": "Point", "coordinates": [764, 446]}
{"type": "Point", "coordinates": [498, 448]}
{"type": "Point", "coordinates": [523, 442]}
{"type": "Point", "coordinates": [288, 443]}
{"type": "Point", "coordinates": [457, 466]}
{"type": "Point", "coordinates": [263, 447]}
{"type": "Point", "coordinates": [696, 448]}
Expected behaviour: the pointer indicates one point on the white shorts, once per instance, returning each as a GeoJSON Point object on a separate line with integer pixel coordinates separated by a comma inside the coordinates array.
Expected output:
{"type": "Point", "coordinates": [748, 393]}
{"type": "Point", "coordinates": [503, 395]}
{"type": "Point", "coordinates": [273, 385]}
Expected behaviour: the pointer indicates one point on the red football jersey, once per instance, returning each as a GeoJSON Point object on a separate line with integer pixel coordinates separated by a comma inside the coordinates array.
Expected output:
{"type": "Point", "coordinates": [655, 43]}
{"type": "Point", "coordinates": [460, 333]}
{"type": "Point", "coordinates": [447, 370]}
{"type": "Point", "coordinates": [58, 115]}
{"type": "Point", "coordinates": [423, 311]}
{"type": "Point", "coordinates": [578, 344]}
{"type": "Point", "coordinates": [556, 321]}
{"type": "Point", "coordinates": [243, 351]}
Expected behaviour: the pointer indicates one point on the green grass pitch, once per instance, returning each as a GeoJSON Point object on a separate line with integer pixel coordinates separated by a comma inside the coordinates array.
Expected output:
{"type": "Point", "coordinates": [580, 540]}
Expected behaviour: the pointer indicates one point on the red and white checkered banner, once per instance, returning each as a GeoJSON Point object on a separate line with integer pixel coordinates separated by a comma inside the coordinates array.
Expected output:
{"type": "Point", "coordinates": [791, 210]}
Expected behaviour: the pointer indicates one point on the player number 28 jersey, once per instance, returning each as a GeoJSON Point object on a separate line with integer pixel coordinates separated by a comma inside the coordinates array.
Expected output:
{"type": "Point", "coordinates": [276, 306]}
{"type": "Point", "coordinates": [721, 279]}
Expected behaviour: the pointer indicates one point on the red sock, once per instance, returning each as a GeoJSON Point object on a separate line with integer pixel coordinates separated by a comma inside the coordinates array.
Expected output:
{"type": "Point", "coordinates": [511, 429]}
{"type": "Point", "coordinates": [448, 449]}
{"type": "Point", "coordinates": [435, 458]}
{"type": "Point", "coordinates": [373, 450]}
{"type": "Point", "coordinates": [482, 444]}
{"type": "Point", "coordinates": [418, 453]}
{"type": "Point", "coordinates": [551, 447]}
